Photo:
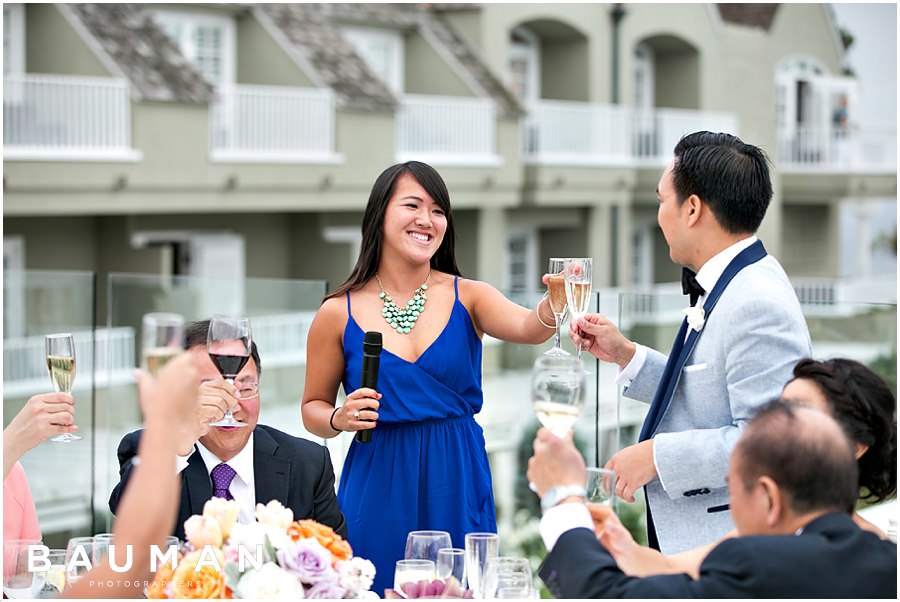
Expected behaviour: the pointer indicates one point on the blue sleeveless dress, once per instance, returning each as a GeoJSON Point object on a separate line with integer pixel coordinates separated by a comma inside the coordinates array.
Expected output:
{"type": "Point", "coordinates": [426, 466]}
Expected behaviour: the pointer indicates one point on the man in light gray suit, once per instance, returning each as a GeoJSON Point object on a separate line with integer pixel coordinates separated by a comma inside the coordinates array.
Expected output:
{"type": "Point", "coordinates": [734, 350]}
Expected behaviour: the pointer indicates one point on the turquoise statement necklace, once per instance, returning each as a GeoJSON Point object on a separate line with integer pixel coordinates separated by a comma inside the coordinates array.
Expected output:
{"type": "Point", "coordinates": [402, 319]}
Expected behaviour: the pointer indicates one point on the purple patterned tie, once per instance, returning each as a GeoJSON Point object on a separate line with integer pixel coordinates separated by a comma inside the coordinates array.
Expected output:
{"type": "Point", "coordinates": [222, 476]}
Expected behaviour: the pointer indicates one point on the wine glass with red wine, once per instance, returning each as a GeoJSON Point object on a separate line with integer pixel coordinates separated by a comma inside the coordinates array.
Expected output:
{"type": "Point", "coordinates": [228, 344]}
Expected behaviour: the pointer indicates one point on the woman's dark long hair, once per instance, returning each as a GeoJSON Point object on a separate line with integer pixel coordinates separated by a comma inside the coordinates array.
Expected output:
{"type": "Point", "coordinates": [443, 260]}
{"type": "Point", "coordinates": [864, 406]}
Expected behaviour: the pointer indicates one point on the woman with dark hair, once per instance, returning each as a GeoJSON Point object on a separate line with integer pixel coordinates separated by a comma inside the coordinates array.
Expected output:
{"type": "Point", "coordinates": [855, 396]}
{"type": "Point", "coordinates": [426, 466]}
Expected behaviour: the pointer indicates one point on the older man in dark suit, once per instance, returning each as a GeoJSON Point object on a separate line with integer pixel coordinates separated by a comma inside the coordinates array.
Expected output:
{"type": "Point", "coordinates": [250, 464]}
{"type": "Point", "coordinates": [792, 483]}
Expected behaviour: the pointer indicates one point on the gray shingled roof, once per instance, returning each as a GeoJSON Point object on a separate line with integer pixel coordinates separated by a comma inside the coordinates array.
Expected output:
{"type": "Point", "coordinates": [312, 29]}
{"type": "Point", "coordinates": [143, 52]}
{"type": "Point", "coordinates": [323, 48]}
{"type": "Point", "coordinates": [751, 15]}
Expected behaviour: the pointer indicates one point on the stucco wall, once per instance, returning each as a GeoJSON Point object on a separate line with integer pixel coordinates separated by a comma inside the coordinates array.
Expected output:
{"type": "Point", "coordinates": [53, 46]}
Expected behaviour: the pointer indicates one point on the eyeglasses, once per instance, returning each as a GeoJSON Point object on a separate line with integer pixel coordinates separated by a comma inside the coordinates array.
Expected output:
{"type": "Point", "coordinates": [247, 389]}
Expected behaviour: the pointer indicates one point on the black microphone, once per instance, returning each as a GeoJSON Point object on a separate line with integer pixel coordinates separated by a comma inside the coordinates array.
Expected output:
{"type": "Point", "coordinates": [371, 357]}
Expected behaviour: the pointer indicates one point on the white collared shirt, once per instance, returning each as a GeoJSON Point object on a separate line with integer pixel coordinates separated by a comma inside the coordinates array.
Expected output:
{"type": "Point", "coordinates": [707, 277]}
{"type": "Point", "coordinates": [243, 486]}
{"type": "Point", "coordinates": [561, 518]}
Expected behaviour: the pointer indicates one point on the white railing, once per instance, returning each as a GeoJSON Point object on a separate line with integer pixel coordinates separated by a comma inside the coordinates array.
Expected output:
{"type": "Point", "coordinates": [864, 290]}
{"type": "Point", "coordinates": [566, 132]}
{"type": "Point", "coordinates": [66, 117]}
{"type": "Point", "coordinates": [577, 132]}
{"type": "Point", "coordinates": [281, 338]}
{"type": "Point", "coordinates": [447, 129]}
{"type": "Point", "coordinates": [828, 149]}
{"type": "Point", "coordinates": [273, 124]}
{"type": "Point", "coordinates": [25, 364]}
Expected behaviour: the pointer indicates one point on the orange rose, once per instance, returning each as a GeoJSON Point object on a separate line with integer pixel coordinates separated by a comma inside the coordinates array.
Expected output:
{"type": "Point", "coordinates": [163, 576]}
{"type": "Point", "coordinates": [331, 541]}
{"type": "Point", "coordinates": [188, 582]}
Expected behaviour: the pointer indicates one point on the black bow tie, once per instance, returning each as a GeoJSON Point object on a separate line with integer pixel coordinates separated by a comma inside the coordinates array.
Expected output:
{"type": "Point", "coordinates": [690, 286]}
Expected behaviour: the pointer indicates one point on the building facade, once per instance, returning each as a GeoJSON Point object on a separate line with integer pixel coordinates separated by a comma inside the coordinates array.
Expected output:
{"type": "Point", "coordinates": [216, 140]}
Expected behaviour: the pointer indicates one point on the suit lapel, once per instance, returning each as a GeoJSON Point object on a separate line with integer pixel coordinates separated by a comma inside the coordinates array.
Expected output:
{"type": "Point", "coordinates": [271, 473]}
{"type": "Point", "coordinates": [197, 485]}
{"type": "Point", "coordinates": [682, 349]}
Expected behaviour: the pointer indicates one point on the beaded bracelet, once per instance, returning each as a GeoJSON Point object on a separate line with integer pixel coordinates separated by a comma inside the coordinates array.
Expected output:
{"type": "Point", "coordinates": [331, 420]}
{"type": "Point", "coordinates": [537, 311]}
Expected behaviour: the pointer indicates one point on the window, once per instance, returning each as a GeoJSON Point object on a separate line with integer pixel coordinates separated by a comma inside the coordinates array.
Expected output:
{"type": "Point", "coordinates": [207, 41]}
{"type": "Point", "coordinates": [524, 65]}
{"type": "Point", "coordinates": [382, 51]}
{"type": "Point", "coordinates": [13, 39]}
{"type": "Point", "coordinates": [521, 264]}
{"type": "Point", "coordinates": [643, 77]}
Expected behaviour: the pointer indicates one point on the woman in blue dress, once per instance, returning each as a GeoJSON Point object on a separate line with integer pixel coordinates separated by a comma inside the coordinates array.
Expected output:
{"type": "Point", "coordinates": [426, 466]}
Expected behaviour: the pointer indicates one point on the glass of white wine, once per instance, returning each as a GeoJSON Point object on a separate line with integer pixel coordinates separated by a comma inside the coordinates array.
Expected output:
{"type": "Point", "coordinates": [162, 339]}
{"type": "Point", "coordinates": [558, 387]}
{"type": "Point", "coordinates": [60, 353]}
{"type": "Point", "coordinates": [556, 295]}
{"type": "Point", "coordinates": [579, 282]}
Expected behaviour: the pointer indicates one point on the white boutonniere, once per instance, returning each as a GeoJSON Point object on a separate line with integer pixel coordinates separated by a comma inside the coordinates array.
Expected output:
{"type": "Point", "coordinates": [696, 317]}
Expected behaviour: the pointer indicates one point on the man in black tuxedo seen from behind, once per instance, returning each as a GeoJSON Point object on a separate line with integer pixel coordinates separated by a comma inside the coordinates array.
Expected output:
{"type": "Point", "coordinates": [251, 464]}
{"type": "Point", "coordinates": [792, 483]}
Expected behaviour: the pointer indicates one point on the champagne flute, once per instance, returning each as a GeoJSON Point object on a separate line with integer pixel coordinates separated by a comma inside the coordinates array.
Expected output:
{"type": "Point", "coordinates": [60, 352]}
{"type": "Point", "coordinates": [578, 287]}
{"type": "Point", "coordinates": [424, 545]}
{"type": "Point", "coordinates": [228, 343]}
{"type": "Point", "coordinates": [162, 339]}
{"type": "Point", "coordinates": [556, 295]}
{"type": "Point", "coordinates": [558, 391]}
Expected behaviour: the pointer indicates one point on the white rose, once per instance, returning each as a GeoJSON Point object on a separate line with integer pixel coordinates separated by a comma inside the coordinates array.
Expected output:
{"type": "Point", "coordinates": [355, 575]}
{"type": "Point", "coordinates": [202, 531]}
{"type": "Point", "coordinates": [696, 317]}
{"type": "Point", "coordinates": [274, 514]}
{"type": "Point", "coordinates": [269, 583]}
{"type": "Point", "coordinates": [225, 512]}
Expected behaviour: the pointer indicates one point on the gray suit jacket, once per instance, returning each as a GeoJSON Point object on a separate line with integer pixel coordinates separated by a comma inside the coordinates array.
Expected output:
{"type": "Point", "coordinates": [744, 355]}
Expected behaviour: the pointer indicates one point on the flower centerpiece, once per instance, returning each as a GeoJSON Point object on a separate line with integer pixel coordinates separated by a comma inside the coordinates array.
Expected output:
{"type": "Point", "coordinates": [274, 557]}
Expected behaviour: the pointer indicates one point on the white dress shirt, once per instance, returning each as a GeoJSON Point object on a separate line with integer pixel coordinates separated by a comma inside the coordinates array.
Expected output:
{"type": "Point", "coordinates": [243, 486]}
{"type": "Point", "coordinates": [561, 518]}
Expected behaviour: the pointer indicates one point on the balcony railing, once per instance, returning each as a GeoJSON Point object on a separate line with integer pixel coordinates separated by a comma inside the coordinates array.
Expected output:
{"type": "Point", "coordinates": [273, 124]}
{"type": "Point", "coordinates": [829, 149]}
{"type": "Point", "coordinates": [447, 130]}
{"type": "Point", "coordinates": [56, 117]}
{"type": "Point", "coordinates": [573, 133]}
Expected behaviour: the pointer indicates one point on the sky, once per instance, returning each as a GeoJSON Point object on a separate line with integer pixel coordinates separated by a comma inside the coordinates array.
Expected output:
{"type": "Point", "coordinates": [873, 57]}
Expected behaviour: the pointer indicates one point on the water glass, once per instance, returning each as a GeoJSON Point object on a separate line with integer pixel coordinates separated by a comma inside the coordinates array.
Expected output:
{"type": "Point", "coordinates": [480, 547]}
{"type": "Point", "coordinates": [600, 486]}
{"type": "Point", "coordinates": [424, 545]}
{"type": "Point", "coordinates": [451, 562]}
{"type": "Point", "coordinates": [507, 572]}
{"type": "Point", "coordinates": [79, 558]}
{"type": "Point", "coordinates": [18, 581]}
{"type": "Point", "coordinates": [412, 571]}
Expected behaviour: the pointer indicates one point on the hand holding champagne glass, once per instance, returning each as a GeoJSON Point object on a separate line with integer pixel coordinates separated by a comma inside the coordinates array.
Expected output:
{"type": "Point", "coordinates": [60, 353]}
{"type": "Point", "coordinates": [162, 339]}
{"type": "Point", "coordinates": [556, 295]}
{"type": "Point", "coordinates": [579, 282]}
{"type": "Point", "coordinates": [228, 344]}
